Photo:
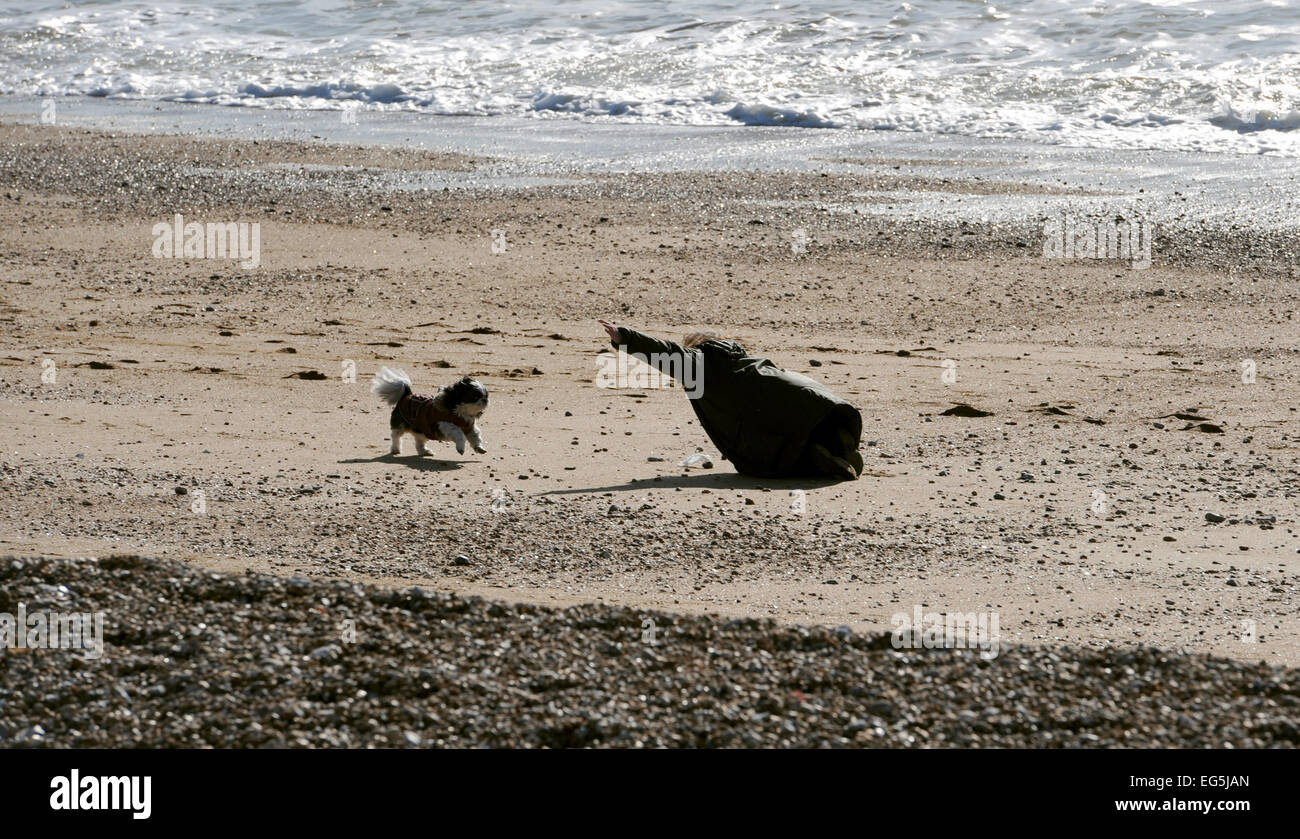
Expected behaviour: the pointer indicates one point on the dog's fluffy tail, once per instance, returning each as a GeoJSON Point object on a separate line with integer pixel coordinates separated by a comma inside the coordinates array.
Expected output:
{"type": "Point", "coordinates": [391, 385]}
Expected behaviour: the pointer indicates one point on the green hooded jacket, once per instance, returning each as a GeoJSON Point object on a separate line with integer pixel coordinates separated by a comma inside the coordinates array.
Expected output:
{"type": "Point", "coordinates": [759, 416]}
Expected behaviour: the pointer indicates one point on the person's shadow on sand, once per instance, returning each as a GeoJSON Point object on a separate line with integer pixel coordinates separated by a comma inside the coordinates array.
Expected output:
{"type": "Point", "coordinates": [422, 463]}
{"type": "Point", "coordinates": [697, 480]}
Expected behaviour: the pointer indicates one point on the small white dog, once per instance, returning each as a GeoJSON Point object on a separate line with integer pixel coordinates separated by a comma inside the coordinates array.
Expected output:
{"type": "Point", "coordinates": [450, 414]}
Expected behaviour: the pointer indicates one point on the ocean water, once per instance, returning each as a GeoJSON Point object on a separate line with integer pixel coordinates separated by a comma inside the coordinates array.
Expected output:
{"type": "Point", "coordinates": [1113, 74]}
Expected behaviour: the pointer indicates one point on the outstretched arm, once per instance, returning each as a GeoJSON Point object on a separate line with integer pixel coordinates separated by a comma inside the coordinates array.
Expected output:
{"type": "Point", "coordinates": [669, 357]}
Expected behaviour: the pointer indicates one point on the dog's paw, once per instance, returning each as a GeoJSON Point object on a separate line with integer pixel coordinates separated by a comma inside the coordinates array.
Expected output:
{"type": "Point", "coordinates": [480, 450]}
{"type": "Point", "coordinates": [460, 447]}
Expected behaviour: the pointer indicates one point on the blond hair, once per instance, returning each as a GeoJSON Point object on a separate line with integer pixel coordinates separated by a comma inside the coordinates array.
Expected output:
{"type": "Point", "coordinates": [694, 339]}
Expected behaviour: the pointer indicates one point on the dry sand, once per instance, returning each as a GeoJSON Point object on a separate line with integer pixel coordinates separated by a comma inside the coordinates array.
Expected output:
{"type": "Point", "coordinates": [180, 374]}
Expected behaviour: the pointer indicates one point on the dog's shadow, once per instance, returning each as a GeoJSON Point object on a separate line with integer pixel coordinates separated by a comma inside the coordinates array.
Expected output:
{"type": "Point", "coordinates": [705, 480]}
{"type": "Point", "coordinates": [419, 462]}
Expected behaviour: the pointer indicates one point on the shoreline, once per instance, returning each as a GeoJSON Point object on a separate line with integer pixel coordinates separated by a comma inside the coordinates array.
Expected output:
{"type": "Point", "coordinates": [1228, 213]}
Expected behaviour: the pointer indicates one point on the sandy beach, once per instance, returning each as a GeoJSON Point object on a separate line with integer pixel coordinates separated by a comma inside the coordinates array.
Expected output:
{"type": "Point", "coordinates": [1129, 487]}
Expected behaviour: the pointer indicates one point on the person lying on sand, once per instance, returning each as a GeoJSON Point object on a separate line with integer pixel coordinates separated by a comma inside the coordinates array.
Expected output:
{"type": "Point", "coordinates": [769, 422]}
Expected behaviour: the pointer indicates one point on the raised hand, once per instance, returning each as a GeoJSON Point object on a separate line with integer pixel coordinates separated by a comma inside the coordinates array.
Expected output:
{"type": "Point", "coordinates": [610, 328]}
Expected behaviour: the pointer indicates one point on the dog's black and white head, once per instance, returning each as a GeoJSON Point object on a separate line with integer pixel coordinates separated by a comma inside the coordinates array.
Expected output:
{"type": "Point", "coordinates": [467, 397]}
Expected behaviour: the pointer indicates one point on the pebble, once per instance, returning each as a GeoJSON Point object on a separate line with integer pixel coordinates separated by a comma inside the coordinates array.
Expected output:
{"type": "Point", "coordinates": [436, 670]}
